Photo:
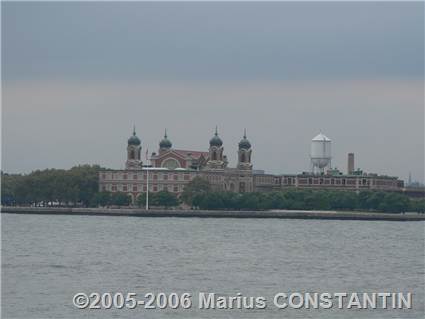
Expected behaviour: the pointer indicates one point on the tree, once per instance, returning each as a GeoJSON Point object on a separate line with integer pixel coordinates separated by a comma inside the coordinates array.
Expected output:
{"type": "Point", "coordinates": [162, 198]}
{"type": "Point", "coordinates": [78, 185]}
{"type": "Point", "coordinates": [141, 199]}
{"type": "Point", "coordinates": [195, 187]}
{"type": "Point", "coordinates": [120, 199]}
{"type": "Point", "coordinates": [165, 198]}
{"type": "Point", "coordinates": [394, 203]}
{"type": "Point", "coordinates": [102, 199]}
{"type": "Point", "coordinates": [417, 205]}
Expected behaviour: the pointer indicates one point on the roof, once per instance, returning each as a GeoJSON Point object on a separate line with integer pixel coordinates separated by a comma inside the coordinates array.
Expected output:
{"type": "Point", "coordinates": [321, 137]}
{"type": "Point", "coordinates": [194, 154]}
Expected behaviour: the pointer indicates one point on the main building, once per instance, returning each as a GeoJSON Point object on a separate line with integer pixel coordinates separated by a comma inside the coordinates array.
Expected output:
{"type": "Point", "coordinates": [171, 169]}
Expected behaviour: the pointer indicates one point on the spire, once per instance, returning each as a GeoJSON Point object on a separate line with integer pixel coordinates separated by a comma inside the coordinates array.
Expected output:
{"type": "Point", "coordinates": [216, 140]}
{"type": "Point", "coordinates": [244, 143]}
{"type": "Point", "coordinates": [165, 143]}
{"type": "Point", "coordinates": [134, 140]}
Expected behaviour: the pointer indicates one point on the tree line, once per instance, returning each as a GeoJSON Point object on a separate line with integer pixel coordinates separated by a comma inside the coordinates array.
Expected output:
{"type": "Point", "coordinates": [309, 200]}
{"type": "Point", "coordinates": [79, 186]}
{"type": "Point", "coordinates": [199, 194]}
{"type": "Point", "coordinates": [76, 186]}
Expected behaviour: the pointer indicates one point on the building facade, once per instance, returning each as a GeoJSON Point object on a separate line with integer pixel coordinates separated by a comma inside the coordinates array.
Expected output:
{"type": "Point", "coordinates": [171, 169]}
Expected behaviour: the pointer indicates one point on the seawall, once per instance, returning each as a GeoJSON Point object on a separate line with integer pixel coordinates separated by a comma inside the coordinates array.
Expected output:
{"type": "Point", "coordinates": [283, 214]}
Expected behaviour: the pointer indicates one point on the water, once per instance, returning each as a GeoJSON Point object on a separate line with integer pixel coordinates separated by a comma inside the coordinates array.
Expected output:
{"type": "Point", "coordinates": [47, 259]}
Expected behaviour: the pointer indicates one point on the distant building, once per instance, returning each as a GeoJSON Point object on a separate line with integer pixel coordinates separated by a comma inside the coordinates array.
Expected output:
{"type": "Point", "coordinates": [171, 169]}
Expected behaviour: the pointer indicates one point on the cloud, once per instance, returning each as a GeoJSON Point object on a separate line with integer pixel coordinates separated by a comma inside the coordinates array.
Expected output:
{"type": "Point", "coordinates": [63, 123]}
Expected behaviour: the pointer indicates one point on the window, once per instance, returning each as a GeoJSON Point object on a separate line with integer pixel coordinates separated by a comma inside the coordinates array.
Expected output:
{"type": "Point", "coordinates": [165, 177]}
{"type": "Point", "coordinates": [170, 163]}
{"type": "Point", "coordinates": [124, 176]}
{"type": "Point", "coordinates": [124, 188]}
{"type": "Point", "coordinates": [155, 188]}
{"type": "Point", "coordinates": [104, 188]}
{"type": "Point", "coordinates": [134, 176]}
{"type": "Point", "coordinates": [186, 177]}
{"type": "Point", "coordinates": [176, 189]}
{"type": "Point", "coordinates": [134, 188]}
{"type": "Point", "coordinates": [176, 177]}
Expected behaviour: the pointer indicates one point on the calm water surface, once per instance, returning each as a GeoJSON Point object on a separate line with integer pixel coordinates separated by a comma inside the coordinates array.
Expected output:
{"type": "Point", "coordinates": [47, 259]}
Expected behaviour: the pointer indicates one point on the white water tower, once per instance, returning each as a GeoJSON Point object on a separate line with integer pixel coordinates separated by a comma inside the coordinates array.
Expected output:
{"type": "Point", "coordinates": [320, 154]}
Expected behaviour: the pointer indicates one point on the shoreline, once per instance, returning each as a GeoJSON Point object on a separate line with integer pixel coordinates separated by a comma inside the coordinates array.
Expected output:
{"type": "Point", "coordinates": [280, 214]}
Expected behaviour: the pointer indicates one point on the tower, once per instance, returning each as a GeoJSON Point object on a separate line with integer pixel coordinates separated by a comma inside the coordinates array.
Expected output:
{"type": "Point", "coordinates": [350, 165]}
{"type": "Point", "coordinates": [244, 153]}
{"type": "Point", "coordinates": [134, 149]}
{"type": "Point", "coordinates": [320, 154]}
{"type": "Point", "coordinates": [165, 144]}
{"type": "Point", "coordinates": [216, 159]}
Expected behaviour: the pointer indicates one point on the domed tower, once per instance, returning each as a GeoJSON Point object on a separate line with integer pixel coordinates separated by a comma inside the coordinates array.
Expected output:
{"type": "Point", "coordinates": [134, 149]}
{"type": "Point", "coordinates": [165, 144]}
{"type": "Point", "coordinates": [216, 158]}
{"type": "Point", "coordinates": [244, 153]}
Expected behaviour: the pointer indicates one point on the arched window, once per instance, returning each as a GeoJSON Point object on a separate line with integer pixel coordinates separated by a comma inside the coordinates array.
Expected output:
{"type": "Point", "coordinates": [132, 154]}
{"type": "Point", "coordinates": [214, 156]}
{"type": "Point", "coordinates": [243, 157]}
{"type": "Point", "coordinates": [170, 163]}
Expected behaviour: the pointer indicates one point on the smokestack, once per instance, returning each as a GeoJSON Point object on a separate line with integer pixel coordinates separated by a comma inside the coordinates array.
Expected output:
{"type": "Point", "coordinates": [350, 166]}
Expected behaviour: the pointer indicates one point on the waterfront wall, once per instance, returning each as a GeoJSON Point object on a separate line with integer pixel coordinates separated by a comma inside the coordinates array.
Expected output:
{"type": "Point", "coordinates": [283, 214]}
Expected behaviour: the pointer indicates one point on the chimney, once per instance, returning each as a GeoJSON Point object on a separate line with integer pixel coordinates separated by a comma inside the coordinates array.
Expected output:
{"type": "Point", "coordinates": [350, 166]}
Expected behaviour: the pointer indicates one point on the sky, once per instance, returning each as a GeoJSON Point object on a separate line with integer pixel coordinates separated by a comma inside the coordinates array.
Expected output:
{"type": "Point", "coordinates": [77, 76]}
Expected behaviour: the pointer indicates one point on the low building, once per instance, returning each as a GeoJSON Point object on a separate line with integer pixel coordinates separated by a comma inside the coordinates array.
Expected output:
{"type": "Point", "coordinates": [171, 169]}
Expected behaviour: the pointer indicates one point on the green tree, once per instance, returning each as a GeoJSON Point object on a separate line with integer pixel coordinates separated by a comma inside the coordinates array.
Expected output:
{"type": "Point", "coordinates": [120, 199]}
{"type": "Point", "coordinates": [102, 199]}
{"type": "Point", "coordinates": [165, 198]}
{"type": "Point", "coordinates": [394, 203]}
{"type": "Point", "coordinates": [141, 199]}
{"type": "Point", "coordinates": [194, 188]}
{"type": "Point", "coordinates": [417, 205]}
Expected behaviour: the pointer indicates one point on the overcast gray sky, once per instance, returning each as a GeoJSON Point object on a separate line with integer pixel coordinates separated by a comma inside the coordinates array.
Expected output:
{"type": "Point", "coordinates": [77, 76]}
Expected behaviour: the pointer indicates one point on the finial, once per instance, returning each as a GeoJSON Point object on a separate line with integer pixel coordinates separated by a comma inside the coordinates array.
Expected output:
{"type": "Point", "coordinates": [216, 130]}
{"type": "Point", "coordinates": [165, 134]}
{"type": "Point", "coordinates": [244, 133]}
{"type": "Point", "coordinates": [134, 129]}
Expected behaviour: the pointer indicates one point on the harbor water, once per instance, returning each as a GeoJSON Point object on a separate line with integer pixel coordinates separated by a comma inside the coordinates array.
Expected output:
{"type": "Point", "coordinates": [47, 259]}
